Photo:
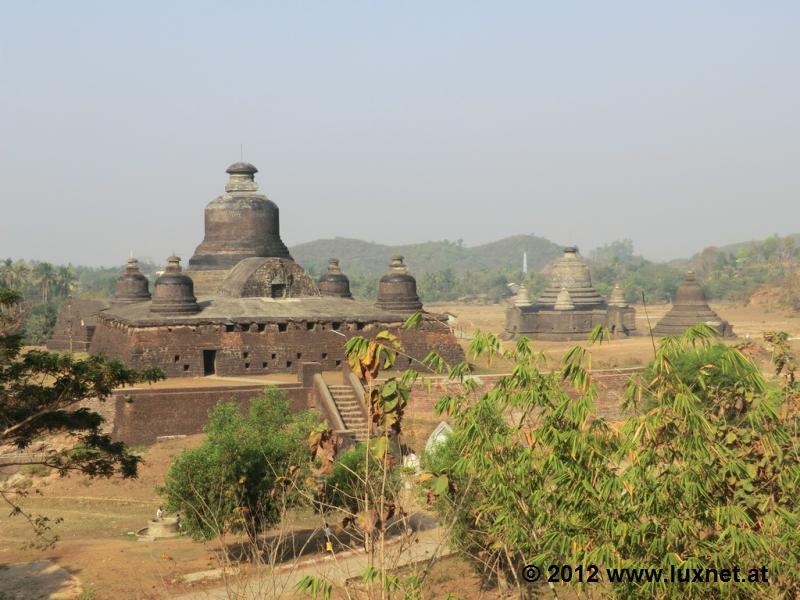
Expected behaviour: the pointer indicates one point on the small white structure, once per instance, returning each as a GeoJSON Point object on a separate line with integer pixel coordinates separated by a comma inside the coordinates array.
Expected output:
{"type": "Point", "coordinates": [411, 461]}
{"type": "Point", "coordinates": [438, 437]}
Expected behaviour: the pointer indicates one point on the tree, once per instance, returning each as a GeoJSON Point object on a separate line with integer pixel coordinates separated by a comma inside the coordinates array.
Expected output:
{"type": "Point", "coordinates": [6, 273]}
{"type": "Point", "coordinates": [15, 274]}
{"type": "Point", "coordinates": [45, 276]}
{"type": "Point", "coordinates": [618, 252]}
{"type": "Point", "coordinates": [365, 481]}
{"type": "Point", "coordinates": [40, 320]}
{"type": "Point", "coordinates": [526, 476]}
{"type": "Point", "coordinates": [239, 477]}
{"type": "Point", "coordinates": [346, 485]}
{"type": "Point", "coordinates": [705, 474]}
{"type": "Point", "coordinates": [39, 396]}
{"type": "Point", "coordinates": [64, 280]}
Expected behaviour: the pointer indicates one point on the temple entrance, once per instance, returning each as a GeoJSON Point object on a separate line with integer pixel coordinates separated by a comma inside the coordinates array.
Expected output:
{"type": "Point", "coordinates": [209, 362]}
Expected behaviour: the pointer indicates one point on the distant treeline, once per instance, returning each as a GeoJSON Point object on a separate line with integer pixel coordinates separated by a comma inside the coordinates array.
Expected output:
{"type": "Point", "coordinates": [44, 287]}
{"type": "Point", "coordinates": [729, 273]}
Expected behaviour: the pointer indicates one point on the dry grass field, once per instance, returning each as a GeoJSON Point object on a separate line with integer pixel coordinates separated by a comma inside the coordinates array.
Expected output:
{"type": "Point", "coordinates": [748, 321]}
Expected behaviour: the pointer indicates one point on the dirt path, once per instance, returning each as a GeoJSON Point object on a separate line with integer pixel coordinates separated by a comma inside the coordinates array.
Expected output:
{"type": "Point", "coordinates": [336, 569]}
{"type": "Point", "coordinates": [103, 499]}
{"type": "Point", "coordinates": [38, 580]}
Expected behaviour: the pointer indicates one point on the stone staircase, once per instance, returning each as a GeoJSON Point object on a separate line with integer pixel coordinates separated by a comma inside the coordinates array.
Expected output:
{"type": "Point", "coordinates": [349, 408]}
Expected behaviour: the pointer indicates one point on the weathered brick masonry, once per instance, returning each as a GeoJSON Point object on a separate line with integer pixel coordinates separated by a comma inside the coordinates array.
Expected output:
{"type": "Point", "coordinates": [261, 313]}
{"type": "Point", "coordinates": [142, 416]}
{"type": "Point", "coordinates": [252, 347]}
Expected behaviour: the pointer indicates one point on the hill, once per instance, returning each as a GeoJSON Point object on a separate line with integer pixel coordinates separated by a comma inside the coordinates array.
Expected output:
{"type": "Point", "coordinates": [734, 248]}
{"type": "Point", "coordinates": [360, 258]}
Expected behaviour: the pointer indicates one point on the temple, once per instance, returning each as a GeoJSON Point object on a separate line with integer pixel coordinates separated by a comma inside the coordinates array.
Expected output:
{"type": "Point", "coordinates": [570, 307]}
{"type": "Point", "coordinates": [691, 308]}
{"type": "Point", "coordinates": [244, 306]}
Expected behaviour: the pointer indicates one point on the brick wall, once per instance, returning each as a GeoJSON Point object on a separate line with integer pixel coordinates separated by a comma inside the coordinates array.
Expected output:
{"type": "Point", "coordinates": [141, 416]}
{"type": "Point", "coordinates": [253, 348]}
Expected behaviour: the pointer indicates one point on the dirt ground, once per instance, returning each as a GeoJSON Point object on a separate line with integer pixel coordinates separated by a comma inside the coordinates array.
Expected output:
{"type": "Point", "coordinates": [95, 542]}
{"type": "Point", "coordinates": [97, 556]}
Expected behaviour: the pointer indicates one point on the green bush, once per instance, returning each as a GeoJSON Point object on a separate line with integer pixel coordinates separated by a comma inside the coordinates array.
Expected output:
{"type": "Point", "coordinates": [234, 480]}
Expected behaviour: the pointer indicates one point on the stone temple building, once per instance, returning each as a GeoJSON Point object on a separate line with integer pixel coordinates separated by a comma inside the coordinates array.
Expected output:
{"type": "Point", "coordinates": [75, 325]}
{"type": "Point", "coordinates": [689, 309]}
{"type": "Point", "coordinates": [244, 306]}
{"type": "Point", "coordinates": [570, 307]}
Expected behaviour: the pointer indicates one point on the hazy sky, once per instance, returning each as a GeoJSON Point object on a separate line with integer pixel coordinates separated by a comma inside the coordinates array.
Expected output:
{"type": "Point", "coordinates": [675, 124]}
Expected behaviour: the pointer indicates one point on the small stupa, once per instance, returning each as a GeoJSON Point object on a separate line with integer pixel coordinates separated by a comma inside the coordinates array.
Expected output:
{"type": "Point", "coordinates": [174, 291]}
{"type": "Point", "coordinates": [522, 298]}
{"type": "Point", "coordinates": [689, 309]}
{"type": "Point", "coordinates": [571, 273]}
{"type": "Point", "coordinates": [617, 297]}
{"type": "Point", "coordinates": [132, 285]}
{"type": "Point", "coordinates": [564, 300]}
{"type": "Point", "coordinates": [397, 290]}
{"type": "Point", "coordinates": [334, 282]}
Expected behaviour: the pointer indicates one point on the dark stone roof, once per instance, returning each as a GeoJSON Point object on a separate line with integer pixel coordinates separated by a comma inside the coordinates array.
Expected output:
{"type": "Point", "coordinates": [88, 310]}
{"type": "Point", "coordinates": [216, 309]}
{"type": "Point", "coordinates": [242, 168]}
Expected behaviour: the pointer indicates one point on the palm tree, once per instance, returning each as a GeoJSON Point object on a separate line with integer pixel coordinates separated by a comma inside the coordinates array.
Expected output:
{"type": "Point", "coordinates": [65, 278]}
{"type": "Point", "coordinates": [6, 269]}
{"type": "Point", "coordinates": [16, 274]}
{"type": "Point", "coordinates": [45, 276]}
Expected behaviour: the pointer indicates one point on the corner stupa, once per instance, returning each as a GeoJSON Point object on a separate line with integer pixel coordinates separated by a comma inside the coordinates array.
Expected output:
{"type": "Point", "coordinates": [689, 309]}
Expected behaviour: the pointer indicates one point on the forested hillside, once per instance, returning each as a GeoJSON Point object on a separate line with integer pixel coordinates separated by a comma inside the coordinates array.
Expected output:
{"type": "Point", "coordinates": [368, 258]}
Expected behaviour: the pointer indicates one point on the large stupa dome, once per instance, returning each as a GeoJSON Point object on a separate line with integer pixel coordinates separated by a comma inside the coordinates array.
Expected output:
{"type": "Point", "coordinates": [241, 223]}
